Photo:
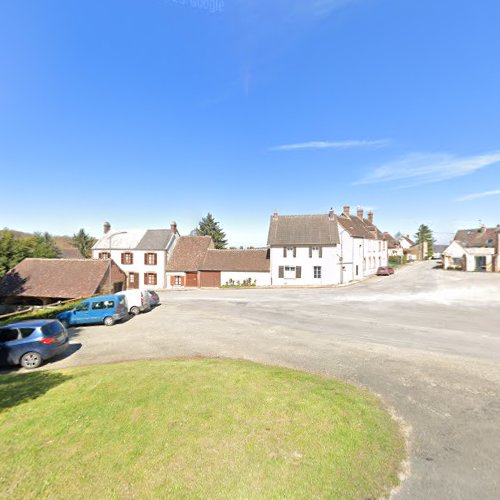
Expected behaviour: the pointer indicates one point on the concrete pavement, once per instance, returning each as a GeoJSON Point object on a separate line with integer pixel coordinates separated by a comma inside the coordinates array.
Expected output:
{"type": "Point", "coordinates": [426, 340]}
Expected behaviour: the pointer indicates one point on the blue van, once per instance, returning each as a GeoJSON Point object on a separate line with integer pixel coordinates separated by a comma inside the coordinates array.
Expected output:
{"type": "Point", "coordinates": [107, 309]}
{"type": "Point", "coordinates": [30, 343]}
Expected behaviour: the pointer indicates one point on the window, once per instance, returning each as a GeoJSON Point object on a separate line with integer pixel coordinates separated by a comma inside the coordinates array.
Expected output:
{"type": "Point", "coordinates": [131, 278]}
{"type": "Point", "coordinates": [104, 255]}
{"type": "Point", "coordinates": [52, 329]}
{"type": "Point", "coordinates": [150, 279]}
{"type": "Point", "coordinates": [315, 252]}
{"type": "Point", "coordinates": [290, 252]}
{"type": "Point", "coordinates": [127, 258]}
{"type": "Point", "coordinates": [178, 281]}
{"type": "Point", "coordinates": [26, 332]}
{"type": "Point", "coordinates": [103, 304]}
{"type": "Point", "coordinates": [290, 272]}
{"type": "Point", "coordinates": [317, 272]}
{"type": "Point", "coordinates": [82, 307]}
{"type": "Point", "coordinates": [8, 334]}
{"type": "Point", "coordinates": [150, 259]}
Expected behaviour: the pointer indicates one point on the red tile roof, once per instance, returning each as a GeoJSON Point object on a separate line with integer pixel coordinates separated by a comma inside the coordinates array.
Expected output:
{"type": "Point", "coordinates": [249, 260]}
{"type": "Point", "coordinates": [55, 278]}
{"type": "Point", "coordinates": [481, 237]}
{"type": "Point", "coordinates": [189, 253]}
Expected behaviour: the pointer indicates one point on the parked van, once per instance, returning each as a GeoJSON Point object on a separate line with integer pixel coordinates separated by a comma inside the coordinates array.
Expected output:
{"type": "Point", "coordinates": [137, 300]}
{"type": "Point", "coordinates": [107, 309]}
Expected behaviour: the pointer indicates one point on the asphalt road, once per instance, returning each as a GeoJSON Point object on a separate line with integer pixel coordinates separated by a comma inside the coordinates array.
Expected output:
{"type": "Point", "coordinates": [426, 340]}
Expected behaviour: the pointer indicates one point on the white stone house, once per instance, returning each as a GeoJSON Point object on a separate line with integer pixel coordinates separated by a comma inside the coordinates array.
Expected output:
{"type": "Point", "coordinates": [363, 246]}
{"type": "Point", "coordinates": [474, 250]}
{"type": "Point", "coordinates": [304, 249]}
{"type": "Point", "coordinates": [142, 254]}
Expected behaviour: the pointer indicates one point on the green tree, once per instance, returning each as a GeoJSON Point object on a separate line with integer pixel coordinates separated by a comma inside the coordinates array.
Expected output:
{"type": "Point", "coordinates": [424, 234]}
{"type": "Point", "coordinates": [42, 246]}
{"type": "Point", "coordinates": [84, 242]}
{"type": "Point", "coordinates": [210, 227]}
{"type": "Point", "coordinates": [12, 251]}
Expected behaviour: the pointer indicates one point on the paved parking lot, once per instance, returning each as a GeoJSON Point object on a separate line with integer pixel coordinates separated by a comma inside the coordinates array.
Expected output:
{"type": "Point", "coordinates": [426, 340]}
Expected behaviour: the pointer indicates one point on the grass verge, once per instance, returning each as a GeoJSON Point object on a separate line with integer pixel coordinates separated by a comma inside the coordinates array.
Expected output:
{"type": "Point", "coordinates": [193, 429]}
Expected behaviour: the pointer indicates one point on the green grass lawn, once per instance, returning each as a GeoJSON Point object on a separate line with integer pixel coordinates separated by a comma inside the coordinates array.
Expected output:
{"type": "Point", "coordinates": [199, 428]}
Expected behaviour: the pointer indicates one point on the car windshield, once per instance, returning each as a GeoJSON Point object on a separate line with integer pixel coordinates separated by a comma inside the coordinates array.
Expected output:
{"type": "Point", "coordinates": [52, 329]}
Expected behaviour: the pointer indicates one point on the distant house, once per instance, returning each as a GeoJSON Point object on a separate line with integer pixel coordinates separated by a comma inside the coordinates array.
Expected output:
{"type": "Point", "coordinates": [394, 248]}
{"type": "Point", "coordinates": [142, 254]}
{"type": "Point", "coordinates": [69, 252]}
{"type": "Point", "coordinates": [474, 250]}
{"type": "Point", "coordinates": [196, 263]}
{"type": "Point", "coordinates": [406, 242]}
{"type": "Point", "coordinates": [43, 281]}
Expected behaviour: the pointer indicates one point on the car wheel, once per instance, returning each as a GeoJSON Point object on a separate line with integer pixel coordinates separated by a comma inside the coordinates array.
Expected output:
{"type": "Point", "coordinates": [31, 360]}
{"type": "Point", "coordinates": [109, 321]}
{"type": "Point", "coordinates": [134, 310]}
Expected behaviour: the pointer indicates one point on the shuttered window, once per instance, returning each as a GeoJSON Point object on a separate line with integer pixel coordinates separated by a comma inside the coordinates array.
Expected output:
{"type": "Point", "coordinates": [281, 272]}
{"type": "Point", "coordinates": [150, 279]}
{"type": "Point", "coordinates": [105, 255]}
{"type": "Point", "coordinates": [127, 258]}
{"type": "Point", "coordinates": [150, 259]}
{"type": "Point", "coordinates": [298, 272]}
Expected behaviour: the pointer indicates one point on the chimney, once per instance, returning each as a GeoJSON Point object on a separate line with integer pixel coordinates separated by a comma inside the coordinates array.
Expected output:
{"type": "Point", "coordinates": [360, 213]}
{"type": "Point", "coordinates": [173, 227]}
{"type": "Point", "coordinates": [331, 214]}
{"type": "Point", "coordinates": [107, 227]}
{"type": "Point", "coordinates": [370, 216]}
{"type": "Point", "coordinates": [346, 210]}
{"type": "Point", "coordinates": [275, 214]}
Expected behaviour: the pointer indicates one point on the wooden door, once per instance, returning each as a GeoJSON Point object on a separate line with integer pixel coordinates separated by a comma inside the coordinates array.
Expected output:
{"type": "Point", "coordinates": [210, 279]}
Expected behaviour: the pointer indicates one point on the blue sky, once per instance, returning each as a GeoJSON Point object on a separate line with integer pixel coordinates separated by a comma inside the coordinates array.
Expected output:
{"type": "Point", "coordinates": [143, 111]}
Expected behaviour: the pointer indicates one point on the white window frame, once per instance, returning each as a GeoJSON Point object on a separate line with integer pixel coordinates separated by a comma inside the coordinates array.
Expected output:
{"type": "Point", "coordinates": [290, 273]}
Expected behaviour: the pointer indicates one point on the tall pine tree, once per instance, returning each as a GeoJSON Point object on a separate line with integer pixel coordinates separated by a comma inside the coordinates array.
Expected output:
{"type": "Point", "coordinates": [210, 227]}
{"type": "Point", "coordinates": [424, 234]}
{"type": "Point", "coordinates": [84, 242]}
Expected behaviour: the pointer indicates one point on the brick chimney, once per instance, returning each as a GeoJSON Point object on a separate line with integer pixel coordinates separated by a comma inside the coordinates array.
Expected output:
{"type": "Point", "coordinates": [173, 227]}
{"type": "Point", "coordinates": [346, 210]}
{"type": "Point", "coordinates": [331, 214]}
{"type": "Point", "coordinates": [360, 213]}
{"type": "Point", "coordinates": [370, 216]}
{"type": "Point", "coordinates": [107, 227]}
{"type": "Point", "coordinates": [275, 214]}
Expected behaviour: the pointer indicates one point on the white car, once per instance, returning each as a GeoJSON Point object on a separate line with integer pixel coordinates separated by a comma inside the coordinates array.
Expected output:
{"type": "Point", "coordinates": [138, 301]}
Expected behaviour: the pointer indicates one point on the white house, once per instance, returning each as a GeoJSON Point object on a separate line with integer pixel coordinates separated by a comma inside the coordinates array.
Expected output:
{"type": "Point", "coordinates": [474, 250]}
{"type": "Point", "coordinates": [324, 249]}
{"type": "Point", "coordinates": [394, 248]}
{"type": "Point", "coordinates": [142, 254]}
{"type": "Point", "coordinates": [304, 249]}
{"type": "Point", "coordinates": [363, 246]}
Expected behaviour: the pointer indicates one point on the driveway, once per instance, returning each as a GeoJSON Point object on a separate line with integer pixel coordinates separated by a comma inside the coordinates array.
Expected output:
{"type": "Point", "coordinates": [426, 340]}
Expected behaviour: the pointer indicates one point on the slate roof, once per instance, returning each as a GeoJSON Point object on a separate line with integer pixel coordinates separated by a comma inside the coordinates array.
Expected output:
{"type": "Point", "coordinates": [303, 230]}
{"type": "Point", "coordinates": [54, 278]}
{"type": "Point", "coordinates": [155, 239]}
{"type": "Point", "coordinates": [143, 239]}
{"type": "Point", "coordinates": [249, 260]}
{"type": "Point", "coordinates": [481, 237]}
{"type": "Point", "coordinates": [189, 253]}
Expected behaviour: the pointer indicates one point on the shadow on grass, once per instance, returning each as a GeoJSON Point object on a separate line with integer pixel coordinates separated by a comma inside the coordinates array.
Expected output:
{"type": "Point", "coordinates": [16, 389]}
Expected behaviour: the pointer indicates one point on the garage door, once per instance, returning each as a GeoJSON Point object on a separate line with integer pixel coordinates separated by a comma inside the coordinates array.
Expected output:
{"type": "Point", "coordinates": [210, 278]}
{"type": "Point", "coordinates": [192, 279]}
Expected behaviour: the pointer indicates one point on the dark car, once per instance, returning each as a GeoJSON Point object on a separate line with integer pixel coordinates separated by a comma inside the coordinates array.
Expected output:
{"type": "Point", "coordinates": [154, 299]}
{"type": "Point", "coordinates": [385, 271]}
{"type": "Point", "coordinates": [30, 343]}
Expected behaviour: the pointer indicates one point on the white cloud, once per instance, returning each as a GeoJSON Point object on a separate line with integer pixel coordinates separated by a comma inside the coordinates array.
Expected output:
{"type": "Point", "coordinates": [475, 196]}
{"type": "Point", "coordinates": [331, 145]}
{"type": "Point", "coordinates": [425, 168]}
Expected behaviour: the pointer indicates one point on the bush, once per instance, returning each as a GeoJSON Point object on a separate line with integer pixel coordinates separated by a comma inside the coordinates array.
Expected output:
{"type": "Point", "coordinates": [248, 283]}
{"type": "Point", "coordinates": [48, 313]}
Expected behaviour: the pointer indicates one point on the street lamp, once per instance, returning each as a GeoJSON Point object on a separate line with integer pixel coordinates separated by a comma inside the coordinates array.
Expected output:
{"type": "Point", "coordinates": [110, 259]}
